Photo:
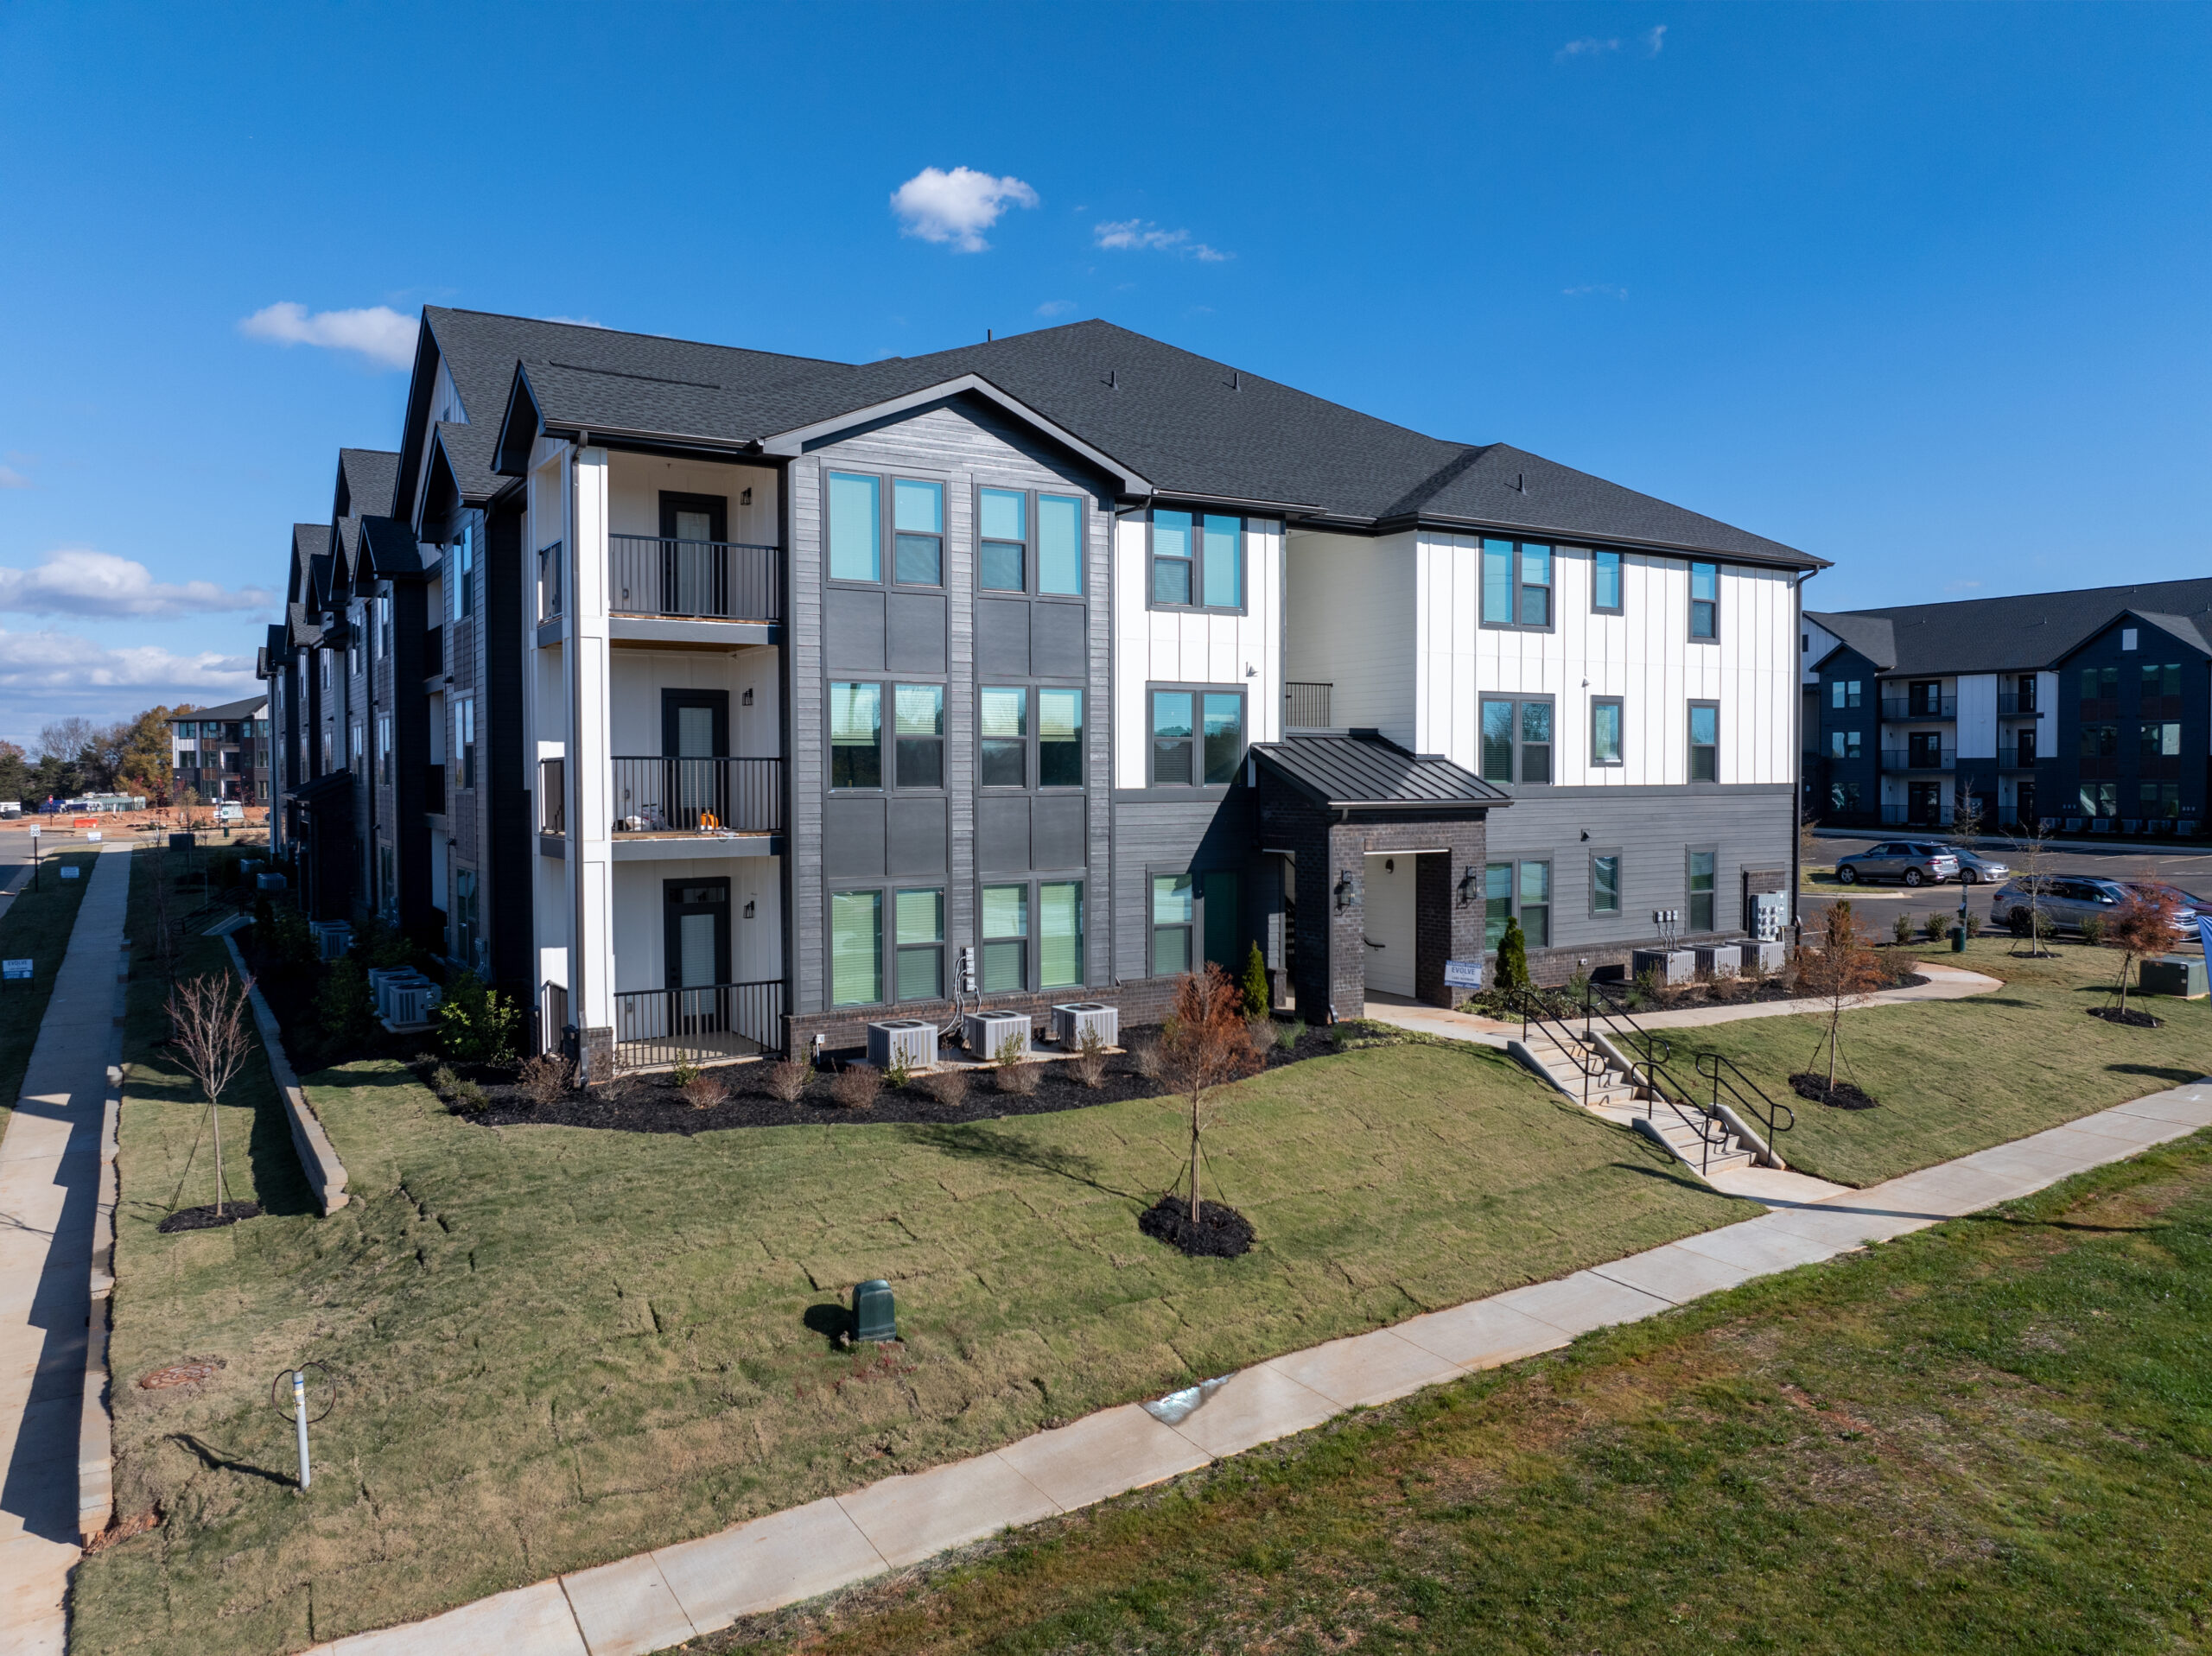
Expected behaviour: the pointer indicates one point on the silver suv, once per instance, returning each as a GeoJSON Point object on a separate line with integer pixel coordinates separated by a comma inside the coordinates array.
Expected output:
{"type": "Point", "coordinates": [2065, 899]}
{"type": "Point", "coordinates": [1974, 869]}
{"type": "Point", "coordinates": [1906, 859]}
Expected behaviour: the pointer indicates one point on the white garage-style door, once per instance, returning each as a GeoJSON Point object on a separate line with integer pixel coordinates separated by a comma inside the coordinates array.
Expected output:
{"type": "Point", "coordinates": [1389, 904]}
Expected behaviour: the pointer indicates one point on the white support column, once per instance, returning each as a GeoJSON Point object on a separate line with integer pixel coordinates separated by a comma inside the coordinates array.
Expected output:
{"type": "Point", "coordinates": [590, 824]}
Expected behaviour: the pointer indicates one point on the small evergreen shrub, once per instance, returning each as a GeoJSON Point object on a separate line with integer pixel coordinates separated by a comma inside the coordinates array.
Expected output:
{"type": "Point", "coordinates": [1903, 927]}
{"type": "Point", "coordinates": [2093, 930]}
{"type": "Point", "coordinates": [1256, 995]}
{"type": "Point", "coordinates": [1513, 957]}
{"type": "Point", "coordinates": [477, 1024]}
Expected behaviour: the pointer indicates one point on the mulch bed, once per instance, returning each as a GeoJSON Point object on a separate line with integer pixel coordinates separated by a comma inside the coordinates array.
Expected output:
{"type": "Point", "coordinates": [651, 1103]}
{"type": "Point", "coordinates": [207, 1219]}
{"type": "Point", "coordinates": [2132, 1019]}
{"type": "Point", "coordinates": [1222, 1233]}
{"type": "Point", "coordinates": [1842, 1096]}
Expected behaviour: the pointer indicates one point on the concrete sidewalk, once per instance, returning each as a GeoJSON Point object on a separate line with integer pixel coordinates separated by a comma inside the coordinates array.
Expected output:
{"type": "Point", "coordinates": [658, 1599]}
{"type": "Point", "coordinates": [49, 1194]}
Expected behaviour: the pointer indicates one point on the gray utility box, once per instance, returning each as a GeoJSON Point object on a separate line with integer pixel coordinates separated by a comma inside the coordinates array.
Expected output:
{"type": "Point", "coordinates": [269, 882]}
{"type": "Point", "coordinates": [1070, 1022]}
{"type": "Point", "coordinates": [182, 841]}
{"type": "Point", "coordinates": [1674, 966]}
{"type": "Point", "coordinates": [875, 1315]}
{"type": "Point", "coordinates": [986, 1032]}
{"type": "Point", "coordinates": [1720, 961]}
{"type": "Point", "coordinates": [902, 1044]}
{"type": "Point", "coordinates": [1762, 957]}
{"type": "Point", "coordinates": [2175, 974]}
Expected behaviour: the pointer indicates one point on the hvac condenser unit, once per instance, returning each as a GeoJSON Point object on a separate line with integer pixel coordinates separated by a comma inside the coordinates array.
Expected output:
{"type": "Point", "coordinates": [333, 938]}
{"type": "Point", "coordinates": [269, 882]}
{"type": "Point", "coordinates": [902, 1044]}
{"type": "Point", "coordinates": [1072, 1022]}
{"type": "Point", "coordinates": [411, 1002]}
{"type": "Point", "coordinates": [986, 1032]}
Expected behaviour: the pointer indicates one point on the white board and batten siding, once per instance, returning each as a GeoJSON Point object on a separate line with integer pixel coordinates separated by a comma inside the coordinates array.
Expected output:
{"type": "Point", "coordinates": [1977, 735]}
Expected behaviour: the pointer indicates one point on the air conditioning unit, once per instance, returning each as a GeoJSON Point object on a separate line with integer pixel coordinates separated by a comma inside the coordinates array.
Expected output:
{"type": "Point", "coordinates": [1072, 1022]}
{"type": "Point", "coordinates": [986, 1032]}
{"type": "Point", "coordinates": [411, 1002]}
{"type": "Point", "coordinates": [1720, 961]}
{"type": "Point", "coordinates": [1674, 966]}
{"type": "Point", "coordinates": [333, 938]}
{"type": "Point", "coordinates": [269, 882]}
{"type": "Point", "coordinates": [902, 1044]}
{"type": "Point", "coordinates": [1765, 957]}
{"type": "Point", "coordinates": [385, 980]}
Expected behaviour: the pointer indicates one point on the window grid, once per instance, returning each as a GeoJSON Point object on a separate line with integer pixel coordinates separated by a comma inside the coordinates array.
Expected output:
{"type": "Point", "coordinates": [1705, 741]}
{"type": "Point", "coordinates": [1704, 602]}
{"type": "Point", "coordinates": [1606, 589]}
{"type": "Point", "coordinates": [1197, 560]}
{"type": "Point", "coordinates": [1516, 585]}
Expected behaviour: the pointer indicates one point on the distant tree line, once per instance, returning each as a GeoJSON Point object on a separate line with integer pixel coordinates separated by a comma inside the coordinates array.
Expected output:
{"type": "Point", "coordinates": [78, 755]}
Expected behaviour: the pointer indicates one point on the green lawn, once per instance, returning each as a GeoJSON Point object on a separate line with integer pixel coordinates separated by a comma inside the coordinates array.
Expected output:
{"type": "Point", "coordinates": [560, 1347]}
{"type": "Point", "coordinates": [1992, 1436]}
{"type": "Point", "coordinates": [37, 923]}
{"type": "Point", "coordinates": [1956, 1076]}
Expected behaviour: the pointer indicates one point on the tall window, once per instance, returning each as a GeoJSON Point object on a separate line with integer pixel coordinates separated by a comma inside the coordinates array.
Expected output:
{"type": "Point", "coordinates": [1536, 904]}
{"type": "Point", "coordinates": [1176, 744]}
{"type": "Point", "coordinates": [1224, 561]}
{"type": "Point", "coordinates": [1172, 744]}
{"type": "Point", "coordinates": [1843, 796]}
{"type": "Point", "coordinates": [1605, 582]}
{"type": "Point", "coordinates": [918, 524]}
{"type": "Point", "coordinates": [855, 736]}
{"type": "Point", "coordinates": [1174, 914]}
{"type": "Point", "coordinates": [1003, 529]}
{"type": "Point", "coordinates": [1524, 724]}
{"type": "Point", "coordinates": [1173, 558]}
{"type": "Point", "coordinates": [2153, 741]}
{"type": "Point", "coordinates": [465, 716]}
{"type": "Point", "coordinates": [1606, 884]}
{"type": "Point", "coordinates": [1606, 731]}
{"type": "Point", "coordinates": [1844, 743]}
{"type": "Point", "coordinates": [917, 734]}
{"type": "Point", "coordinates": [1005, 934]}
{"type": "Point", "coordinates": [1497, 901]}
{"type": "Point", "coordinates": [1059, 738]}
{"type": "Point", "coordinates": [2100, 683]}
{"type": "Point", "coordinates": [384, 749]}
{"type": "Point", "coordinates": [855, 528]}
{"type": "Point", "coordinates": [1705, 601]}
{"type": "Point", "coordinates": [2101, 741]}
{"type": "Point", "coordinates": [1702, 880]}
{"type": "Point", "coordinates": [464, 558]}
{"type": "Point", "coordinates": [1705, 741]}
{"type": "Point", "coordinates": [1059, 933]}
{"type": "Point", "coordinates": [855, 948]}
{"type": "Point", "coordinates": [919, 916]}
{"type": "Point", "coordinates": [1003, 750]}
{"type": "Point", "coordinates": [1516, 584]}
{"type": "Point", "coordinates": [1059, 545]}
{"type": "Point", "coordinates": [1197, 560]}
{"type": "Point", "coordinates": [2161, 799]}
{"type": "Point", "coordinates": [1846, 692]}
{"type": "Point", "coordinates": [2161, 680]}
{"type": "Point", "coordinates": [1225, 734]}
{"type": "Point", "coordinates": [467, 924]}
{"type": "Point", "coordinates": [2100, 799]}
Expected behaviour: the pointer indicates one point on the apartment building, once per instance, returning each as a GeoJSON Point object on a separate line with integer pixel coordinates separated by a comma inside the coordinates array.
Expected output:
{"type": "Point", "coordinates": [221, 753]}
{"type": "Point", "coordinates": [2084, 712]}
{"type": "Point", "coordinates": [808, 694]}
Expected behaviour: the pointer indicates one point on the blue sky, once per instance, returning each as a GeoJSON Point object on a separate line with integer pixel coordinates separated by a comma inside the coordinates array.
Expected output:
{"type": "Point", "coordinates": [1919, 289]}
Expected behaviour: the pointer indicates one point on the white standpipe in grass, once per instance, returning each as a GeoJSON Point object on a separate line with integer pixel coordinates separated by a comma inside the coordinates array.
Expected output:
{"type": "Point", "coordinates": [300, 1417]}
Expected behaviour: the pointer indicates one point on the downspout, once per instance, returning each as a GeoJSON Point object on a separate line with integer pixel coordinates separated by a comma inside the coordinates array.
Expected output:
{"type": "Point", "coordinates": [1797, 750]}
{"type": "Point", "coordinates": [571, 771]}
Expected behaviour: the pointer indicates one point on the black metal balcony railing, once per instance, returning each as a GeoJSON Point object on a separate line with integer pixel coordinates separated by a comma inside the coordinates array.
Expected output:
{"type": "Point", "coordinates": [433, 789]}
{"type": "Point", "coordinates": [552, 795]}
{"type": "Point", "coordinates": [2021, 756]}
{"type": "Point", "coordinates": [1306, 706]}
{"type": "Point", "coordinates": [665, 796]}
{"type": "Point", "coordinates": [719, 1020]}
{"type": "Point", "coordinates": [723, 580]}
{"type": "Point", "coordinates": [549, 582]}
{"type": "Point", "coordinates": [1920, 758]}
{"type": "Point", "coordinates": [1920, 707]}
{"type": "Point", "coordinates": [433, 652]}
{"type": "Point", "coordinates": [552, 1017]}
{"type": "Point", "coordinates": [1920, 816]}
{"type": "Point", "coordinates": [2012, 704]}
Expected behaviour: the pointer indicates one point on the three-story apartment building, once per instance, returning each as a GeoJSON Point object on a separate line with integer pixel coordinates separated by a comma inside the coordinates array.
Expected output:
{"type": "Point", "coordinates": [221, 754]}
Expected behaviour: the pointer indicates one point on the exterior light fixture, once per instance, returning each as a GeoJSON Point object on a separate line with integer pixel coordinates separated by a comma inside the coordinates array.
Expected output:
{"type": "Point", "coordinates": [1470, 887]}
{"type": "Point", "coordinates": [747, 702]}
{"type": "Point", "coordinates": [1343, 890]}
{"type": "Point", "coordinates": [748, 908]}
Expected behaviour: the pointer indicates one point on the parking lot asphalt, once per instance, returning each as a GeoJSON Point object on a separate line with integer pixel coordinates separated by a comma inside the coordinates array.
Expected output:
{"type": "Point", "coordinates": [2189, 870]}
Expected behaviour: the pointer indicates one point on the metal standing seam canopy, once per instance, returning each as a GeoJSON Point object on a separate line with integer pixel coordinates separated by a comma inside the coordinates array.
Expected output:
{"type": "Point", "coordinates": [1363, 772]}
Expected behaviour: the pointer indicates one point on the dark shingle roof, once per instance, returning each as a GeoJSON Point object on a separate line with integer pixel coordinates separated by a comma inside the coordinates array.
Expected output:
{"type": "Point", "coordinates": [1996, 635]}
{"type": "Point", "coordinates": [1366, 772]}
{"type": "Point", "coordinates": [251, 708]}
{"type": "Point", "coordinates": [365, 476]}
{"type": "Point", "coordinates": [301, 626]}
{"type": "Point", "coordinates": [390, 548]}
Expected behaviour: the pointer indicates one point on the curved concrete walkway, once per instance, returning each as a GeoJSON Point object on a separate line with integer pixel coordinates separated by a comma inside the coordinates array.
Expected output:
{"type": "Point", "coordinates": [658, 1599]}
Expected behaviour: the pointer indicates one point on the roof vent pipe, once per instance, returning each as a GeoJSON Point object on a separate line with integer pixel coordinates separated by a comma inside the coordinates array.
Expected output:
{"type": "Point", "coordinates": [1112, 379]}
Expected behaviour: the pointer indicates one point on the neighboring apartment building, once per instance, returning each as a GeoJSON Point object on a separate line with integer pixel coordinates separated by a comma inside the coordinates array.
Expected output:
{"type": "Point", "coordinates": [2086, 711]}
{"type": "Point", "coordinates": [221, 753]}
{"type": "Point", "coordinates": [801, 690]}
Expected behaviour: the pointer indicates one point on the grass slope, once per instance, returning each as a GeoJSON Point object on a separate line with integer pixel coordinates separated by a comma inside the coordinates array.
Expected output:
{"type": "Point", "coordinates": [1957, 1077]}
{"type": "Point", "coordinates": [1993, 1437]}
{"type": "Point", "coordinates": [37, 923]}
{"type": "Point", "coordinates": [559, 1346]}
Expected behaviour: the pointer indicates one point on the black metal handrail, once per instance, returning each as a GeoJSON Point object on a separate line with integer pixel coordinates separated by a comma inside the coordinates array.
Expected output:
{"type": "Point", "coordinates": [1905, 709]}
{"type": "Point", "coordinates": [1534, 1007]}
{"type": "Point", "coordinates": [1306, 706]}
{"type": "Point", "coordinates": [1651, 1054]}
{"type": "Point", "coordinates": [1778, 1119]}
{"type": "Point", "coordinates": [709, 1022]}
{"type": "Point", "coordinates": [731, 581]}
{"type": "Point", "coordinates": [697, 795]}
{"type": "Point", "coordinates": [1920, 758]}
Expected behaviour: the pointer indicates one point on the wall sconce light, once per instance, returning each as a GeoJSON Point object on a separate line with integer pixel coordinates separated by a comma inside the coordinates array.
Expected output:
{"type": "Point", "coordinates": [1344, 893]}
{"type": "Point", "coordinates": [746, 500]}
{"type": "Point", "coordinates": [1470, 887]}
{"type": "Point", "coordinates": [746, 701]}
{"type": "Point", "coordinates": [748, 908]}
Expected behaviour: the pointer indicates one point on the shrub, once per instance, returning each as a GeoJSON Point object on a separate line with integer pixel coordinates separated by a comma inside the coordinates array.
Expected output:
{"type": "Point", "coordinates": [1513, 957]}
{"type": "Point", "coordinates": [1939, 925]}
{"type": "Point", "coordinates": [898, 1076]}
{"type": "Point", "coordinates": [1903, 926]}
{"type": "Point", "coordinates": [856, 1086]}
{"type": "Point", "coordinates": [343, 1010]}
{"type": "Point", "coordinates": [948, 1086]}
{"type": "Point", "coordinates": [1146, 1055]}
{"type": "Point", "coordinates": [459, 1092]}
{"type": "Point", "coordinates": [1652, 988]}
{"type": "Point", "coordinates": [704, 1090]}
{"type": "Point", "coordinates": [684, 1074]}
{"type": "Point", "coordinates": [1089, 1060]}
{"type": "Point", "coordinates": [1973, 923]}
{"type": "Point", "coordinates": [2093, 930]}
{"type": "Point", "coordinates": [1286, 1035]}
{"type": "Point", "coordinates": [1339, 1034]}
{"type": "Point", "coordinates": [545, 1078]}
{"type": "Point", "coordinates": [477, 1024]}
{"type": "Point", "coordinates": [1257, 997]}
{"type": "Point", "coordinates": [1012, 1069]}
{"type": "Point", "coordinates": [786, 1079]}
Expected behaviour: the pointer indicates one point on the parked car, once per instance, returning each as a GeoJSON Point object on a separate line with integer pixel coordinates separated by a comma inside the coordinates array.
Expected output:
{"type": "Point", "coordinates": [2187, 906]}
{"type": "Point", "coordinates": [1909, 861]}
{"type": "Point", "coordinates": [1974, 869]}
{"type": "Point", "coordinates": [2065, 899]}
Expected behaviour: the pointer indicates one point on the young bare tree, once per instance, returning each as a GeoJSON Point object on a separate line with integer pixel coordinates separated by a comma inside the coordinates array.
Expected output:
{"type": "Point", "coordinates": [209, 1015]}
{"type": "Point", "coordinates": [2144, 925]}
{"type": "Point", "coordinates": [2031, 851]}
{"type": "Point", "coordinates": [1206, 1045]}
{"type": "Point", "coordinates": [1839, 969]}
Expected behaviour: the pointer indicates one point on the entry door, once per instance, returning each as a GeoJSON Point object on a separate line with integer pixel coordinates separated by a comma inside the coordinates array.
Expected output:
{"type": "Point", "coordinates": [694, 933]}
{"type": "Point", "coordinates": [694, 738]}
{"type": "Point", "coordinates": [1388, 910]}
{"type": "Point", "coordinates": [1224, 917]}
{"type": "Point", "coordinates": [692, 529]}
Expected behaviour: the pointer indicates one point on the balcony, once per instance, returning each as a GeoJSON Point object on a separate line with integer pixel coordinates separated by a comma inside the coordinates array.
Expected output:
{"type": "Point", "coordinates": [2020, 756]}
{"type": "Point", "coordinates": [718, 581]}
{"type": "Point", "coordinates": [2010, 704]}
{"type": "Point", "coordinates": [1928, 760]}
{"type": "Point", "coordinates": [1923, 706]}
{"type": "Point", "coordinates": [697, 795]}
{"type": "Point", "coordinates": [1921, 816]}
{"type": "Point", "coordinates": [434, 790]}
{"type": "Point", "coordinates": [1306, 706]}
{"type": "Point", "coordinates": [549, 582]}
{"type": "Point", "coordinates": [654, 1028]}
{"type": "Point", "coordinates": [552, 795]}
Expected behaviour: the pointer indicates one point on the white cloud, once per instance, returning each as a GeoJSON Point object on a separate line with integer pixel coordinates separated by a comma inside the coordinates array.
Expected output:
{"type": "Point", "coordinates": [11, 478]}
{"type": "Point", "coordinates": [1655, 38]}
{"type": "Point", "coordinates": [1056, 307]}
{"type": "Point", "coordinates": [575, 321]}
{"type": "Point", "coordinates": [1136, 233]}
{"type": "Point", "coordinates": [63, 664]}
{"type": "Point", "coordinates": [957, 207]}
{"type": "Point", "coordinates": [1603, 289]}
{"type": "Point", "coordinates": [1588, 46]}
{"type": "Point", "coordinates": [78, 581]}
{"type": "Point", "coordinates": [379, 332]}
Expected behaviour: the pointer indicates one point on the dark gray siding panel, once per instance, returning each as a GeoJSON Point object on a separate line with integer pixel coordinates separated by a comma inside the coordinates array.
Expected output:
{"type": "Point", "coordinates": [1002, 835]}
{"type": "Point", "coordinates": [918, 843]}
{"type": "Point", "coordinates": [854, 641]}
{"type": "Point", "coordinates": [917, 641]}
{"type": "Point", "coordinates": [1056, 837]}
{"type": "Point", "coordinates": [1002, 636]}
{"type": "Point", "coordinates": [1163, 839]}
{"type": "Point", "coordinates": [852, 840]}
{"type": "Point", "coordinates": [1056, 641]}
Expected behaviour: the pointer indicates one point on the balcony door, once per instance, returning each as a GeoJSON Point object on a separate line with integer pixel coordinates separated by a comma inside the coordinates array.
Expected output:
{"type": "Point", "coordinates": [695, 936]}
{"type": "Point", "coordinates": [694, 740]}
{"type": "Point", "coordinates": [692, 530]}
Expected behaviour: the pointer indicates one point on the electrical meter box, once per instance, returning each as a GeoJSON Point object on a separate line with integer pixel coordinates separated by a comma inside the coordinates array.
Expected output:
{"type": "Point", "coordinates": [1770, 913]}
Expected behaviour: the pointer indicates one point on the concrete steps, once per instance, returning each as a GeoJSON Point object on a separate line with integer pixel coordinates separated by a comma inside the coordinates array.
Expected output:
{"type": "Point", "coordinates": [1609, 1094]}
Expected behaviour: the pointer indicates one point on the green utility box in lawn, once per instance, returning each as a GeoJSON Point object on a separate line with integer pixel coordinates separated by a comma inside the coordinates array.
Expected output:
{"type": "Point", "coordinates": [2175, 974]}
{"type": "Point", "coordinates": [873, 1317]}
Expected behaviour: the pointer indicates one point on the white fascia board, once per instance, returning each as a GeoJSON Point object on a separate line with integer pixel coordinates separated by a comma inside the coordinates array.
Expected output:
{"type": "Point", "coordinates": [795, 441]}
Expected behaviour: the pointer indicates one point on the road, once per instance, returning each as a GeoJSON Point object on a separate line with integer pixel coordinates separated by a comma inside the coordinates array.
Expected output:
{"type": "Point", "coordinates": [2189, 870]}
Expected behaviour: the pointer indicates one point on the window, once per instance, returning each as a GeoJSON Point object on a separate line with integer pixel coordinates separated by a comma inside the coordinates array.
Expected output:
{"type": "Point", "coordinates": [2161, 798]}
{"type": "Point", "coordinates": [1059, 545]}
{"type": "Point", "coordinates": [1225, 734]}
{"type": "Point", "coordinates": [1527, 723]}
{"type": "Point", "coordinates": [1497, 901]}
{"type": "Point", "coordinates": [1606, 884]}
{"type": "Point", "coordinates": [1844, 743]}
{"type": "Point", "coordinates": [1172, 746]}
{"type": "Point", "coordinates": [1846, 692]}
{"type": "Point", "coordinates": [387, 881]}
{"type": "Point", "coordinates": [1005, 934]}
{"type": "Point", "coordinates": [1605, 582]}
{"type": "Point", "coordinates": [1536, 904]}
{"type": "Point", "coordinates": [855, 528]}
{"type": "Point", "coordinates": [1003, 749]}
{"type": "Point", "coordinates": [357, 754]}
{"type": "Point", "coordinates": [1705, 741]}
{"type": "Point", "coordinates": [2101, 741]}
{"type": "Point", "coordinates": [1197, 560]}
{"type": "Point", "coordinates": [2161, 680]}
{"type": "Point", "coordinates": [1605, 730]}
{"type": "Point", "coordinates": [2100, 799]}
{"type": "Point", "coordinates": [856, 735]}
{"type": "Point", "coordinates": [1059, 738]}
{"type": "Point", "coordinates": [465, 716]}
{"type": "Point", "coordinates": [1705, 601]}
{"type": "Point", "coordinates": [1701, 883]}
{"type": "Point", "coordinates": [917, 734]}
{"type": "Point", "coordinates": [464, 557]}
{"type": "Point", "coordinates": [466, 925]}
{"type": "Point", "coordinates": [919, 916]}
{"type": "Point", "coordinates": [1003, 529]}
{"type": "Point", "coordinates": [1216, 742]}
{"type": "Point", "coordinates": [323, 656]}
{"type": "Point", "coordinates": [1172, 915]}
{"type": "Point", "coordinates": [2157, 740]}
{"type": "Point", "coordinates": [384, 749]}
{"type": "Point", "coordinates": [1843, 796]}
{"type": "Point", "coordinates": [2100, 683]}
{"type": "Point", "coordinates": [1059, 933]}
{"type": "Point", "coordinates": [1516, 584]}
{"type": "Point", "coordinates": [2128, 637]}
{"type": "Point", "coordinates": [918, 528]}
{"type": "Point", "coordinates": [855, 948]}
